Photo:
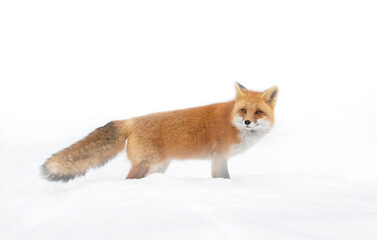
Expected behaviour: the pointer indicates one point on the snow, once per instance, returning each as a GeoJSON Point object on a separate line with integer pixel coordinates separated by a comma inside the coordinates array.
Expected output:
{"type": "Point", "coordinates": [70, 67]}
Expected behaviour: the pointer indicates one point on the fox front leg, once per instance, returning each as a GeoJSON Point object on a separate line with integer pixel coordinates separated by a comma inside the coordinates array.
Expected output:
{"type": "Point", "coordinates": [219, 166]}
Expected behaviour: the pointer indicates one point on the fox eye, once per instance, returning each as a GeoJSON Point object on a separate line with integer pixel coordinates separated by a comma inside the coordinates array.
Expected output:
{"type": "Point", "coordinates": [258, 112]}
{"type": "Point", "coordinates": [243, 110]}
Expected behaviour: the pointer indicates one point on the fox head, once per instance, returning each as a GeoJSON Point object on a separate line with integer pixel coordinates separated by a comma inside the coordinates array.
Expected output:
{"type": "Point", "coordinates": [254, 111]}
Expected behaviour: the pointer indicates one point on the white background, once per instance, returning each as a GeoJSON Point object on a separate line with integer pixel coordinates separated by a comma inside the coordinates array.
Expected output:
{"type": "Point", "coordinates": [68, 67]}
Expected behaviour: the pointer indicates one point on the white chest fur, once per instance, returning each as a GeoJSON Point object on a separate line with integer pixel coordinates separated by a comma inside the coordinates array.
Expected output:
{"type": "Point", "coordinates": [247, 139]}
{"type": "Point", "coordinates": [248, 135]}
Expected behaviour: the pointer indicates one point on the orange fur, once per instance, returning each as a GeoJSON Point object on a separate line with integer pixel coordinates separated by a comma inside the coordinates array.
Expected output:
{"type": "Point", "coordinates": [153, 140]}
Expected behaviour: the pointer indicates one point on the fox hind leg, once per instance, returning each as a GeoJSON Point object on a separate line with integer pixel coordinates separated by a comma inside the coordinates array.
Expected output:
{"type": "Point", "coordinates": [143, 162]}
{"type": "Point", "coordinates": [159, 167]}
{"type": "Point", "coordinates": [139, 170]}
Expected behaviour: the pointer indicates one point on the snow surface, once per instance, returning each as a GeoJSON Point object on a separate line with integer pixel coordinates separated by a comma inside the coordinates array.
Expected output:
{"type": "Point", "coordinates": [69, 67]}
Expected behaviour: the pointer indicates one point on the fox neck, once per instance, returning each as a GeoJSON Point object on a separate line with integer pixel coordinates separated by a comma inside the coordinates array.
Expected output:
{"type": "Point", "coordinates": [246, 138]}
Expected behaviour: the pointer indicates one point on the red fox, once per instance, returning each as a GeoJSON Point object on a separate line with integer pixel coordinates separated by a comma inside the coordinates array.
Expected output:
{"type": "Point", "coordinates": [216, 131]}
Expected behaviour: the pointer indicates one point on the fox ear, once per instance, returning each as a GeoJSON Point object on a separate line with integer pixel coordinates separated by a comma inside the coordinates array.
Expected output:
{"type": "Point", "coordinates": [240, 91]}
{"type": "Point", "coordinates": [270, 95]}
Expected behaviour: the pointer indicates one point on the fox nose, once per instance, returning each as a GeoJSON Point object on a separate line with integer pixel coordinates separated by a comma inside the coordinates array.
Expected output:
{"type": "Point", "coordinates": [247, 122]}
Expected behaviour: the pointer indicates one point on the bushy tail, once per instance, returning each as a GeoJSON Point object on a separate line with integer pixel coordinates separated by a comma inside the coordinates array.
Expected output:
{"type": "Point", "coordinates": [92, 151]}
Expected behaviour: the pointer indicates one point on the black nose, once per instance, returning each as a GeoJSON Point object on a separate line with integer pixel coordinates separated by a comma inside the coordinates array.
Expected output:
{"type": "Point", "coordinates": [247, 122]}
